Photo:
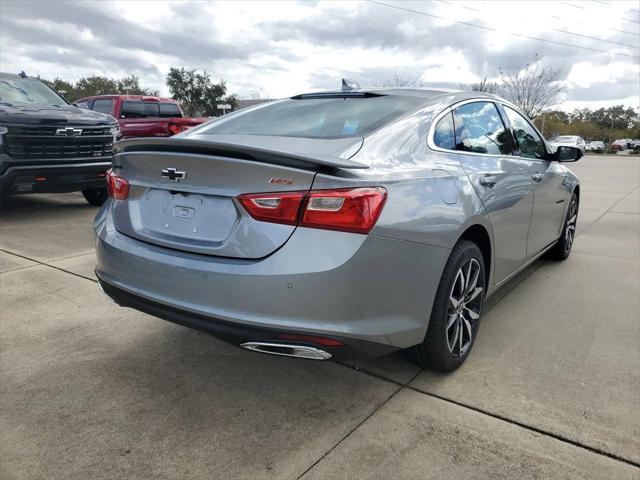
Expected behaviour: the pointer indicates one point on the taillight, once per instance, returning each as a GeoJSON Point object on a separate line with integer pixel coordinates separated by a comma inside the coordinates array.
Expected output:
{"type": "Point", "coordinates": [174, 128]}
{"type": "Point", "coordinates": [117, 187]}
{"type": "Point", "coordinates": [273, 207]}
{"type": "Point", "coordinates": [350, 209]}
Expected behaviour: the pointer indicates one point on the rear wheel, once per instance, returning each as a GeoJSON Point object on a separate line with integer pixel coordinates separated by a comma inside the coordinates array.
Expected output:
{"type": "Point", "coordinates": [562, 248]}
{"type": "Point", "coordinates": [95, 196]}
{"type": "Point", "coordinates": [456, 312]}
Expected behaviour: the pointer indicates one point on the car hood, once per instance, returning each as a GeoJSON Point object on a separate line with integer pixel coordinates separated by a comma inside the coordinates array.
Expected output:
{"type": "Point", "coordinates": [22, 113]}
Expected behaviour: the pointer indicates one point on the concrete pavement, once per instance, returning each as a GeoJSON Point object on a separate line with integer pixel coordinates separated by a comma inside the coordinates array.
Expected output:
{"type": "Point", "coordinates": [551, 389]}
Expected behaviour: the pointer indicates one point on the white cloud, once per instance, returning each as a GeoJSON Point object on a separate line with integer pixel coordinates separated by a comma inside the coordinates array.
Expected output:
{"type": "Point", "coordinates": [287, 47]}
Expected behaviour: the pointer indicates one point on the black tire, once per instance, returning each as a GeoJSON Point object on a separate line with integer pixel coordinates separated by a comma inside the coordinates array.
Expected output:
{"type": "Point", "coordinates": [435, 352]}
{"type": "Point", "coordinates": [562, 249]}
{"type": "Point", "coordinates": [95, 196]}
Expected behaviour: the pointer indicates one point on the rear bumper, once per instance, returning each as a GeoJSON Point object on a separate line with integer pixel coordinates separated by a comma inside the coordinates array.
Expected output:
{"type": "Point", "coordinates": [53, 178]}
{"type": "Point", "coordinates": [237, 334]}
{"type": "Point", "coordinates": [351, 287]}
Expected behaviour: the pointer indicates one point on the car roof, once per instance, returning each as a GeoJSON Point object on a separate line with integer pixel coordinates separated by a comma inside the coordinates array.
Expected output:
{"type": "Point", "coordinates": [427, 93]}
{"type": "Point", "coordinates": [130, 97]}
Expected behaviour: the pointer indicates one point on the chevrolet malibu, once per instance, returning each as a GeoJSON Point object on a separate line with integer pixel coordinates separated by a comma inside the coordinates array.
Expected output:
{"type": "Point", "coordinates": [343, 224]}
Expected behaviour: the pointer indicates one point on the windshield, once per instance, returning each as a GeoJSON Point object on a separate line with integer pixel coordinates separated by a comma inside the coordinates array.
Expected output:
{"type": "Point", "coordinates": [335, 117]}
{"type": "Point", "coordinates": [27, 90]}
{"type": "Point", "coordinates": [566, 139]}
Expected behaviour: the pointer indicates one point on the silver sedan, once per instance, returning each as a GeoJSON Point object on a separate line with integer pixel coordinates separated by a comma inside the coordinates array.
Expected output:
{"type": "Point", "coordinates": [341, 224]}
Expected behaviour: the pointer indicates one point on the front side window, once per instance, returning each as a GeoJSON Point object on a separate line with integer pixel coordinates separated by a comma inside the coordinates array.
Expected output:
{"type": "Point", "coordinates": [529, 142]}
{"type": "Point", "coordinates": [102, 105]}
{"type": "Point", "coordinates": [443, 135]}
{"type": "Point", "coordinates": [139, 109]}
{"type": "Point", "coordinates": [479, 129]}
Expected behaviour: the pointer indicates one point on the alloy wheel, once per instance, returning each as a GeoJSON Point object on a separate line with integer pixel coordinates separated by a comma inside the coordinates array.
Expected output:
{"type": "Point", "coordinates": [570, 228]}
{"type": "Point", "coordinates": [465, 304]}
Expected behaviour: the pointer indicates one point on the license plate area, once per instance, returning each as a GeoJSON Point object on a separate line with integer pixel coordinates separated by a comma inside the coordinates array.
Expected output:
{"type": "Point", "coordinates": [187, 217]}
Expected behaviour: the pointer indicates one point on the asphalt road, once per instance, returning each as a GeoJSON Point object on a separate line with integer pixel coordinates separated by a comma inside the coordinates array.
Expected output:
{"type": "Point", "coordinates": [551, 389]}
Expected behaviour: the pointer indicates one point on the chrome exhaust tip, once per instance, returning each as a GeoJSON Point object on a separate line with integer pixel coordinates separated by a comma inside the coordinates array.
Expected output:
{"type": "Point", "coordinates": [285, 350]}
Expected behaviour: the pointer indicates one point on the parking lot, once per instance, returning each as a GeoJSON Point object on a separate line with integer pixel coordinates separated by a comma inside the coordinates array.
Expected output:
{"type": "Point", "coordinates": [551, 389]}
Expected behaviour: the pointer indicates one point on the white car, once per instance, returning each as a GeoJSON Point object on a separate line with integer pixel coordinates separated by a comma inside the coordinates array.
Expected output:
{"type": "Point", "coordinates": [568, 141]}
{"type": "Point", "coordinates": [595, 145]}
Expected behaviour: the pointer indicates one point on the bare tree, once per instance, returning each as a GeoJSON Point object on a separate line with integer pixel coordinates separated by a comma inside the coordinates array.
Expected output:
{"type": "Point", "coordinates": [398, 81]}
{"type": "Point", "coordinates": [533, 88]}
{"type": "Point", "coordinates": [484, 85]}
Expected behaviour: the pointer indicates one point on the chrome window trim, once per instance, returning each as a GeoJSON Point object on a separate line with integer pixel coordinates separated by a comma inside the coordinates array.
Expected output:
{"type": "Point", "coordinates": [432, 146]}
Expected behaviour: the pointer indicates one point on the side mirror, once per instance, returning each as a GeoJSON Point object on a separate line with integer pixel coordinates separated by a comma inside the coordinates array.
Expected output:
{"type": "Point", "coordinates": [568, 154]}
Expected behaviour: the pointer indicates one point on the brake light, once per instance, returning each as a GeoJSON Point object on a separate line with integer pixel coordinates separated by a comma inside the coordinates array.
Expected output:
{"type": "Point", "coordinates": [117, 187]}
{"type": "Point", "coordinates": [174, 128]}
{"type": "Point", "coordinates": [349, 210]}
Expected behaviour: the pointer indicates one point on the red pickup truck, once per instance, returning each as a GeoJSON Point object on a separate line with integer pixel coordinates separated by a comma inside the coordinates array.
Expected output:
{"type": "Point", "coordinates": [142, 116]}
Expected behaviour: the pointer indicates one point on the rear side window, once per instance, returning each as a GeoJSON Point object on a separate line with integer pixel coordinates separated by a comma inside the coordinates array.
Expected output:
{"type": "Point", "coordinates": [443, 135]}
{"type": "Point", "coordinates": [479, 129]}
{"type": "Point", "coordinates": [102, 105]}
{"type": "Point", "coordinates": [530, 144]}
{"type": "Point", "coordinates": [334, 117]}
{"type": "Point", "coordinates": [139, 109]}
{"type": "Point", "coordinates": [169, 110]}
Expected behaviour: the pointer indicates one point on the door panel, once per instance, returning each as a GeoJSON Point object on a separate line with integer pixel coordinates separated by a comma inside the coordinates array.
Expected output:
{"type": "Point", "coordinates": [509, 204]}
{"type": "Point", "coordinates": [503, 182]}
{"type": "Point", "coordinates": [549, 200]}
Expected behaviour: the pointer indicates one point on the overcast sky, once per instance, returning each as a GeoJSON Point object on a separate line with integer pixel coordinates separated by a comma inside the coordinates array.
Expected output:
{"type": "Point", "coordinates": [286, 48]}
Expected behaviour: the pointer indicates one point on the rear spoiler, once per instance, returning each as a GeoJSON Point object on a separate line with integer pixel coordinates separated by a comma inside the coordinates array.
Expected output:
{"type": "Point", "coordinates": [244, 152]}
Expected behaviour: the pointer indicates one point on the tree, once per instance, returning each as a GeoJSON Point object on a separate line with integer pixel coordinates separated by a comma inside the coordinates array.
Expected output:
{"type": "Point", "coordinates": [484, 85]}
{"type": "Point", "coordinates": [98, 85]}
{"type": "Point", "coordinates": [95, 85]}
{"type": "Point", "coordinates": [64, 88]}
{"type": "Point", "coordinates": [532, 88]}
{"type": "Point", "coordinates": [131, 86]}
{"type": "Point", "coordinates": [197, 94]}
{"type": "Point", "coordinates": [398, 81]}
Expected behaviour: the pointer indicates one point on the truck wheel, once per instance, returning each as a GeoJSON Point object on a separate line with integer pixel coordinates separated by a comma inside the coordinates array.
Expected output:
{"type": "Point", "coordinates": [95, 196]}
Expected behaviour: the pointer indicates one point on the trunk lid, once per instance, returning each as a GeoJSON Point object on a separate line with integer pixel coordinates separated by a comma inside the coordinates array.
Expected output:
{"type": "Point", "coordinates": [183, 193]}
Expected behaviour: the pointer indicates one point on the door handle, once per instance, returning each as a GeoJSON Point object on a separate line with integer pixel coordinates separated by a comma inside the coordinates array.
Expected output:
{"type": "Point", "coordinates": [488, 180]}
{"type": "Point", "coordinates": [537, 177]}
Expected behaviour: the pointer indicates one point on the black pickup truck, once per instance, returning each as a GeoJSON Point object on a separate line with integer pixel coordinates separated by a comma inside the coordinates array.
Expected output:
{"type": "Point", "coordinates": [50, 146]}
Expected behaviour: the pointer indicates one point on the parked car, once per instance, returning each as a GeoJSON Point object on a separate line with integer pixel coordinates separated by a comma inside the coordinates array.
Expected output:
{"type": "Point", "coordinates": [142, 116]}
{"type": "Point", "coordinates": [596, 146]}
{"type": "Point", "coordinates": [568, 141]}
{"type": "Point", "coordinates": [341, 224]}
{"type": "Point", "coordinates": [48, 145]}
{"type": "Point", "coordinates": [621, 144]}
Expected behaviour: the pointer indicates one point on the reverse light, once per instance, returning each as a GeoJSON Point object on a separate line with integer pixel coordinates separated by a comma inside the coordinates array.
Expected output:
{"type": "Point", "coordinates": [353, 210]}
{"type": "Point", "coordinates": [273, 207]}
{"type": "Point", "coordinates": [117, 187]}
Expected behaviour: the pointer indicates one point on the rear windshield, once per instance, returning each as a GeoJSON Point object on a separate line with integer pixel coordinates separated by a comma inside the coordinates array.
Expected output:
{"type": "Point", "coordinates": [318, 117]}
{"type": "Point", "coordinates": [139, 109]}
{"type": "Point", "coordinates": [170, 110]}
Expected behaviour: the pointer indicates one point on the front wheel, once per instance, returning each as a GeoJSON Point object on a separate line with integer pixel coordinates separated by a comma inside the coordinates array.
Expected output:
{"type": "Point", "coordinates": [95, 196]}
{"type": "Point", "coordinates": [456, 312]}
{"type": "Point", "coordinates": [562, 248]}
